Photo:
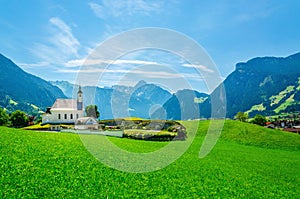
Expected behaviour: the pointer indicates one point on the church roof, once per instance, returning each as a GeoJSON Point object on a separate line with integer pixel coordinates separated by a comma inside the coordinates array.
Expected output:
{"type": "Point", "coordinates": [65, 104]}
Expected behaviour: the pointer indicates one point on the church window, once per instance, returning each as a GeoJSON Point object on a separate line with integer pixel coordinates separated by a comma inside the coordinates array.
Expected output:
{"type": "Point", "coordinates": [59, 116]}
{"type": "Point", "coordinates": [66, 116]}
{"type": "Point", "coordinates": [71, 116]}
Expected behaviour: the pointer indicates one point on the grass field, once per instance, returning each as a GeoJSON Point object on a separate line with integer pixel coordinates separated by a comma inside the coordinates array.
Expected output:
{"type": "Point", "coordinates": [248, 161]}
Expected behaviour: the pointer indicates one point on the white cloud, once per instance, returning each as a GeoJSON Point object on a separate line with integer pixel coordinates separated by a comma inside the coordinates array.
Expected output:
{"type": "Point", "coordinates": [253, 11]}
{"type": "Point", "coordinates": [82, 62]}
{"type": "Point", "coordinates": [199, 66]}
{"type": "Point", "coordinates": [60, 46]}
{"type": "Point", "coordinates": [33, 65]}
{"type": "Point", "coordinates": [141, 62]}
{"type": "Point", "coordinates": [116, 8]}
{"type": "Point", "coordinates": [98, 10]}
{"type": "Point", "coordinates": [245, 17]}
{"type": "Point", "coordinates": [64, 38]}
{"type": "Point", "coordinates": [80, 71]}
{"type": "Point", "coordinates": [140, 72]}
{"type": "Point", "coordinates": [90, 62]}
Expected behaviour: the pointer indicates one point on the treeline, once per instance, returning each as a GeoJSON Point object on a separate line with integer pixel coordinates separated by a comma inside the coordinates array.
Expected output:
{"type": "Point", "coordinates": [19, 119]}
{"type": "Point", "coordinates": [272, 122]}
{"type": "Point", "coordinates": [15, 119]}
{"type": "Point", "coordinates": [258, 119]}
{"type": "Point", "coordinates": [10, 105]}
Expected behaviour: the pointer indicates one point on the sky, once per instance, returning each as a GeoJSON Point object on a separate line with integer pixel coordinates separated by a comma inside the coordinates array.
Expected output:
{"type": "Point", "coordinates": [54, 39]}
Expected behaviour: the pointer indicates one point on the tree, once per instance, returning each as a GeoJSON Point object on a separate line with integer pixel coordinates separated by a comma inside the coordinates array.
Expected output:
{"type": "Point", "coordinates": [259, 120]}
{"type": "Point", "coordinates": [92, 111]}
{"type": "Point", "coordinates": [241, 116]}
{"type": "Point", "coordinates": [19, 119]}
{"type": "Point", "coordinates": [4, 118]}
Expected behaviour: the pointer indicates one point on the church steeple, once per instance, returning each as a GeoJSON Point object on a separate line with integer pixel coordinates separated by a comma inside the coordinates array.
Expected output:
{"type": "Point", "coordinates": [79, 99]}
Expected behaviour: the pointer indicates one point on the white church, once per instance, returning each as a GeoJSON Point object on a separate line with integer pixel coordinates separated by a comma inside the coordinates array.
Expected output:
{"type": "Point", "coordinates": [64, 111]}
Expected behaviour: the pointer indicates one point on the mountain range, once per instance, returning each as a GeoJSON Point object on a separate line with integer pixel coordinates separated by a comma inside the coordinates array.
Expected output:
{"type": "Point", "coordinates": [264, 85]}
{"type": "Point", "coordinates": [120, 101]}
{"type": "Point", "coordinates": [21, 90]}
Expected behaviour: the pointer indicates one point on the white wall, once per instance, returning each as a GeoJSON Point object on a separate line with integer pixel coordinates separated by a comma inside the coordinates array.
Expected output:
{"type": "Point", "coordinates": [54, 116]}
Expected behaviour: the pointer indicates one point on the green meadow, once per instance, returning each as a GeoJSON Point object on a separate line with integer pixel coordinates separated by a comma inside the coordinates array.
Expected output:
{"type": "Point", "coordinates": [248, 161]}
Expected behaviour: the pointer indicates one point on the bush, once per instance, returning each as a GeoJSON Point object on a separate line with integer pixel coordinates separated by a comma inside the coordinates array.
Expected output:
{"type": "Point", "coordinates": [259, 120]}
{"type": "Point", "coordinates": [19, 119]}
{"type": "Point", "coordinates": [92, 111]}
{"type": "Point", "coordinates": [241, 116]}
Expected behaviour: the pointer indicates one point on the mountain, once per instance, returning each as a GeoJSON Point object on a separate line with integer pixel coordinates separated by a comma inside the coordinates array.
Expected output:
{"type": "Point", "coordinates": [21, 90]}
{"type": "Point", "coordinates": [184, 104]}
{"type": "Point", "coordinates": [264, 85]}
{"type": "Point", "coordinates": [120, 101]}
{"type": "Point", "coordinates": [66, 87]}
{"type": "Point", "coordinates": [91, 95]}
{"type": "Point", "coordinates": [146, 98]}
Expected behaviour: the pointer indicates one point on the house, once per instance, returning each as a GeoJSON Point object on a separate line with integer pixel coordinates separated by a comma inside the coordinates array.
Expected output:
{"type": "Point", "coordinates": [293, 129]}
{"type": "Point", "coordinates": [64, 111]}
{"type": "Point", "coordinates": [86, 123]}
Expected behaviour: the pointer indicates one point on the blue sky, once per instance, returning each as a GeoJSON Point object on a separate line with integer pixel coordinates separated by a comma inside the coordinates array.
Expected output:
{"type": "Point", "coordinates": [51, 38]}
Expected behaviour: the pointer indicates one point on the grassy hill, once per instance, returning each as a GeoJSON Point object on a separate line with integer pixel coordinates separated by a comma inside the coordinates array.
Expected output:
{"type": "Point", "coordinates": [248, 161]}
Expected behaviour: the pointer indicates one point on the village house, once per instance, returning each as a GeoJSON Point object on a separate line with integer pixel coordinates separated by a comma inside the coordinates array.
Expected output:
{"type": "Point", "coordinates": [64, 111]}
{"type": "Point", "coordinates": [86, 123]}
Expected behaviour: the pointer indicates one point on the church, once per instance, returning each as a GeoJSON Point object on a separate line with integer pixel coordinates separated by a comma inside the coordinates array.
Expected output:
{"type": "Point", "coordinates": [64, 111]}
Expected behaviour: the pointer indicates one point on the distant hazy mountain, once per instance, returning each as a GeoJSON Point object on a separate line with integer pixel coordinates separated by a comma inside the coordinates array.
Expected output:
{"type": "Point", "coordinates": [146, 98]}
{"type": "Point", "coordinates": [120, 101]}
{"type": "Point", "coordinates": [266, 85]}
{"type": "Point", "coordinates": [66, 87]}
{"type": "Point", "coordinates": [185, 104]}
{"type": "Point", "coordinates": [21, 90]}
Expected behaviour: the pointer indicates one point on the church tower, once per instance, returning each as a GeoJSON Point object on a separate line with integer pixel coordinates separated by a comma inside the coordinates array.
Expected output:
{"type": "Point", "coordinates": [79, 99]}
